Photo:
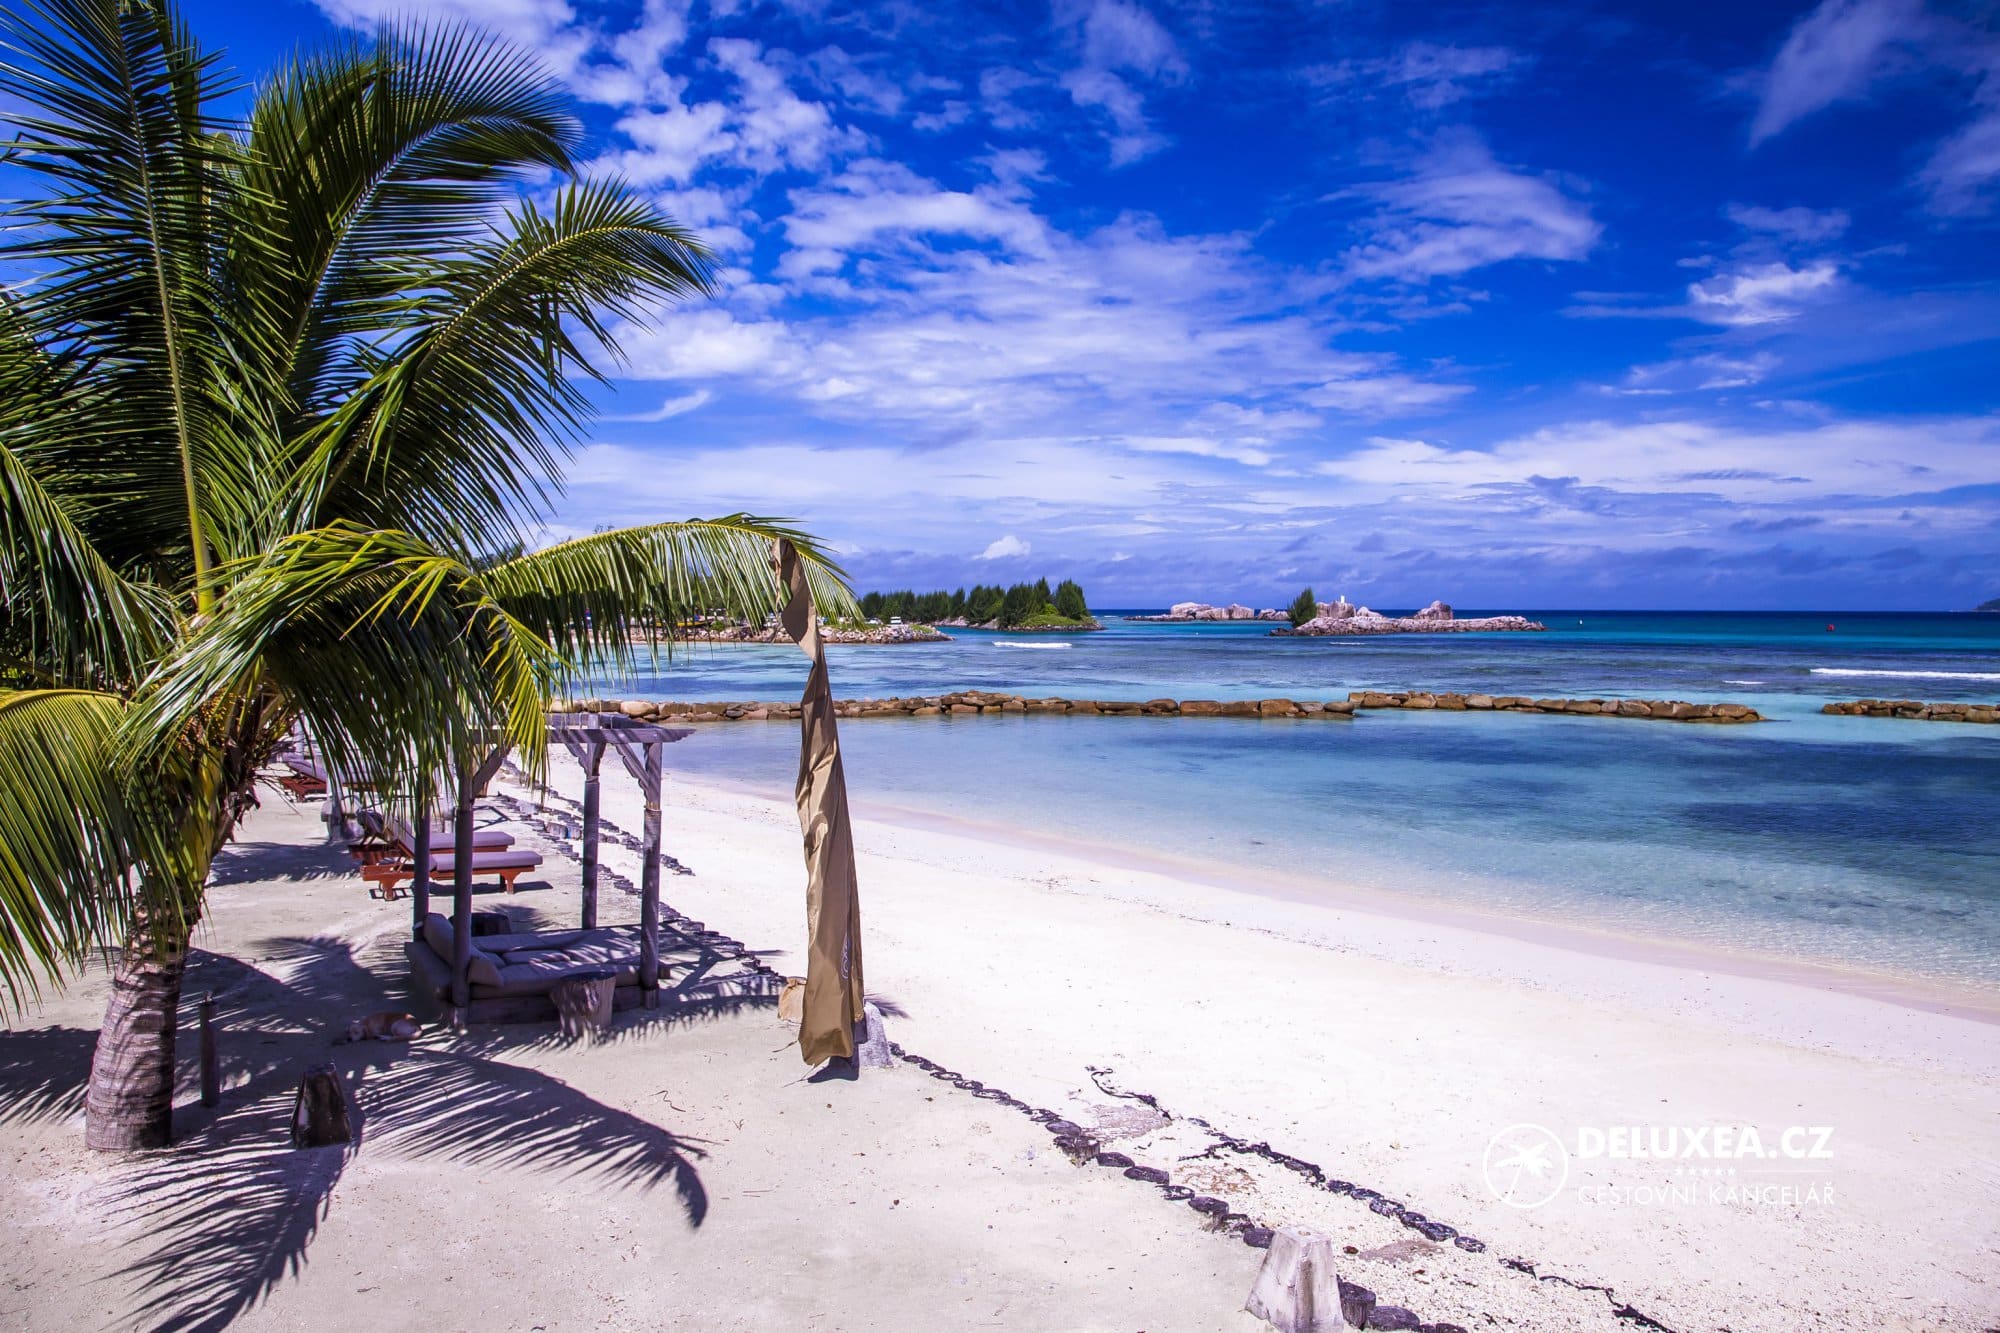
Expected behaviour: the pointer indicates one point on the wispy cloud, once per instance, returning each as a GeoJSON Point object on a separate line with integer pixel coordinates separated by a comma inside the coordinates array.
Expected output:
{"type": "Point", "coordinates": [1119, 42]}
{"type": "Point", "coordinates": [1460, 210]}
{"type": "Point", "coordinates": [1836, 53]}
{"type": "Point", "coordinates": [670, 409]}
{"type": "Point", "coordinates": [1429, 75]}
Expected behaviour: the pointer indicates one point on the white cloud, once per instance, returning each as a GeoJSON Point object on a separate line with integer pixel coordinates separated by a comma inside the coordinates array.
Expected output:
{"type": "Point", "coordinates": [774, 126]}
{"type": "Point", "coordinates": [1199, 446]}
{"type": "Point", "coordinates": [1009, 547]}
{"type": "Point", "coordinates": [1707, 371]}
{"type": "Point", "coordinates": [1760, 293]}
{"type": "Point", "coordinates": [1463, 210]}
{"type": "Point", "coordinates": [872, 199]}
{"type": "Point", "coordinates": [670, 409]}
{"type": "Point", "coordinates": [1114, 39]}
{"type": "Point", "coordinates": [1960, 176]}
{"type": "Point", "coordinates": [1133, 137]}
{"type": "Point", "coordinates": [1805, 226]}
{"type": "Point", "coordinates": [1428, 75]}
{"type": "Point", "coordinates": [1833, 54]}
{"type": "Point", "coordinates": [1116, 34]}
{"type": "Point", "coordinates": [998, 88]}
{"type": "Point", "coordinates": [547, 27]}
{"type": "Point", "coordinates": [944, 312]}
{"type": "Point", "coordinates": [670, 143]}
{"type": "Point", "coordinates": [1824, 462]}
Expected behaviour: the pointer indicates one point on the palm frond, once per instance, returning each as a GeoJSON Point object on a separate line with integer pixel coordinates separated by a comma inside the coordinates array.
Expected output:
{"type": "Point", "coordinates": [66, 833]}
{"type": "Point", "coordinates": [393, 652]}
{"type": "Point", "coordinates": [457, 434]}
{"type": "Point", "coordinates": [366, 153]}
{"type": "Point", "coordinates": [595, 597]}
{"type": "Point", "coordinates": [122, 244]}
{"type": "Point", "coordinates": [74, 617]}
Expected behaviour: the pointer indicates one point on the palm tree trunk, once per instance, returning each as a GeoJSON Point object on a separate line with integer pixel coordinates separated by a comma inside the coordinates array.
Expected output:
{"type": "Point", "coordinates": [130, 1104]}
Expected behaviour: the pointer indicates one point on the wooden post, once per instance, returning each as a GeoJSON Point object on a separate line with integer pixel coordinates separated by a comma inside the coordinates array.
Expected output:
{"type": "Point", "coordinates": [649, 881]}
{"type": "Point", "coordinates": [592, 759]}
{"type": "Point", "coordinates": [461, 901]}
{"type": "Point", "coordinates": [211, 1067]}
{"type": "Point", "coordinates": [420, 878]}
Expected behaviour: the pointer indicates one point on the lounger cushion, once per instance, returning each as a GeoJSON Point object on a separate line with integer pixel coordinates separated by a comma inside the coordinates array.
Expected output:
{"type": "Point", "coordinates": [539, 972]}
{"type": "Point", "coordinates": [624, 937]}
{"type": "Point", "coordinates": [443, 863]}
{"type": "Point", "coordinates": [483, 839]}
{"type": "Point", "coordinates": [483, 969]}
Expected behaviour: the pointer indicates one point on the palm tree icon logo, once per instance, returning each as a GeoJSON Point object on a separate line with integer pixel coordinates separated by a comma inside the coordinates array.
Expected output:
{"type": "Point", "coordinates": [1526, 1166]}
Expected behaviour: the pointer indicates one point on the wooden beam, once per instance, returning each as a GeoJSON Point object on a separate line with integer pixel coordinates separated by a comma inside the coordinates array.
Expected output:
{"type": "Point", "coordinates": [461, 896]}
{"type": "Point", "coordinates": [592, 758]}
{"type": "Point", "coordinates": [649, 881]}
{"type": "Point", "coordinates": [487, 768]}
{"type": "Point", "coordinates": [420, 878]}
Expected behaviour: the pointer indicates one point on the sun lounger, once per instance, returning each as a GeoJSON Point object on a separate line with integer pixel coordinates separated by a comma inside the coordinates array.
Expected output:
{"type": "Point", "coordinates": [396, 839]}
{"type": "Point", "coordinates": [511, 976]}
{"type": "Point", "coordinates": [508, 865]}
{"type": "Point", "coordinates": [442, 836]}
{"type": "Point", "coordinates": [306, 779]}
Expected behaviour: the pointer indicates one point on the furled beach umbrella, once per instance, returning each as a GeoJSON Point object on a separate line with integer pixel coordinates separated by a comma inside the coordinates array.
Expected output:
{"type": "Point", "coordinates": [833, 905]}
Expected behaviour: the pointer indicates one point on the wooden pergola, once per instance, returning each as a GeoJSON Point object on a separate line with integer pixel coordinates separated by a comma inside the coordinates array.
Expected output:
{"type": "Point", "coordinates": [587, 736]}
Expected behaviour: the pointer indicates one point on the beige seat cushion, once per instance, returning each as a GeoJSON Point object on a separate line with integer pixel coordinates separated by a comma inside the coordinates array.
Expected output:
{"type": "Point", "coordinates": [483, 969]}
{"type": "Point", "coordinates": [538, 973]}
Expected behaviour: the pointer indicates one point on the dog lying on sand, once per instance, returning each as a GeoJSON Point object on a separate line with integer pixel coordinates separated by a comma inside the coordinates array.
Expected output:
{"type": "Point", "coordinates": [387, 1025]}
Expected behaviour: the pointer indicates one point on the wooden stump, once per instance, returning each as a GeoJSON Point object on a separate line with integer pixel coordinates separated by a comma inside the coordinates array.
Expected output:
{"type": "Point", "coordinates": [583, 1002]}
{"type": "Point", "coordinates": [1297, 1290]}
{"type": "Point", "coordinates": [319, 1116]}
{"type": "Point", "coordinates": [871, 1041]}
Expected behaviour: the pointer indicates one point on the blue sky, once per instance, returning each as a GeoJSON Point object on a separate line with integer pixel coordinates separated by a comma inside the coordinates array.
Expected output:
{"type": "Point", "coordinates": [1556, 304]}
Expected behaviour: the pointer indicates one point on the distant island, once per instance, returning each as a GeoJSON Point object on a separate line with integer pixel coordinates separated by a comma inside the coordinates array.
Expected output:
{"type": "Point", "coordinates": [1023, 607]}
{"type": "Point", "coordinates": [1308, 617]}
{"type": "Point", "coordinates": [1993, 605]}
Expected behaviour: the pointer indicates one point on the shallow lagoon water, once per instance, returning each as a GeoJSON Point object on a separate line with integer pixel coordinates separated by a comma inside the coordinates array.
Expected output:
{"type": "Point", "coordinates": [1862, 842]}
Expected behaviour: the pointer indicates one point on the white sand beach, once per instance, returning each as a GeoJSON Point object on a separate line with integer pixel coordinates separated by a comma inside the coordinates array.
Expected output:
{"type": "Point", "coordinates": [684, 1173]}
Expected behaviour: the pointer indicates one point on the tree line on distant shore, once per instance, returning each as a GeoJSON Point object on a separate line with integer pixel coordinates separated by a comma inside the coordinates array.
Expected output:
{"type": "Point", "coordinates": [1011, 608]}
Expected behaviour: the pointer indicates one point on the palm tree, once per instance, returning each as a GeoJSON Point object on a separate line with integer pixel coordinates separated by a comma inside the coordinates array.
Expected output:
{"type": "Point", "coordinates": [282, 404]}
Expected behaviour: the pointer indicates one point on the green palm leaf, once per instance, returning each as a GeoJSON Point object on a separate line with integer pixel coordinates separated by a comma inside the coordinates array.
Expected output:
{"type": "Point", "coordinates": [66, 833]}
{"type": "Point", "coordinates": [592, 597]}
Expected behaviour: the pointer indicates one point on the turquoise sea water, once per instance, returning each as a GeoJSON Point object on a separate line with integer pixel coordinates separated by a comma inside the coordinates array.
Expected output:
{"type": "Point", "coordinates": [1863, 842]}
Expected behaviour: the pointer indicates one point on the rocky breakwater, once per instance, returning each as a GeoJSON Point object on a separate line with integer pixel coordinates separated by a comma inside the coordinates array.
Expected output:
{"type": "Point", "coordinates": [1342, 617]}
{"type": "Point", "coordinates": [1916, 709]}
{"type": "Point", "coordinates": [1184, 611]}
{"type": "Point", "coordinates": [831, 633]}
{"type": "Point", "coordinates": [1657, 710]}
{"type": "Point", "coordinates": [964, 703]}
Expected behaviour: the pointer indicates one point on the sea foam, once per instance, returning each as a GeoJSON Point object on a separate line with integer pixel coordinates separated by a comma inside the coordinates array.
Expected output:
{"type": "Point", "coordinates": [1017, 643]}
{"type": "Point", "coordinates": [1907, 675]}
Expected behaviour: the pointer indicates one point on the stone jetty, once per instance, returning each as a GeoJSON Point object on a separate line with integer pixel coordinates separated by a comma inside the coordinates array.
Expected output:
{"type": "Point", "coordinates": [965, 703]}
{"type": "Point", "coordinates": [1656, 710]}
{"type": "Point", "coordinates": [962, 703]}
{"type": "Point", "coordinates": [1914, 708]}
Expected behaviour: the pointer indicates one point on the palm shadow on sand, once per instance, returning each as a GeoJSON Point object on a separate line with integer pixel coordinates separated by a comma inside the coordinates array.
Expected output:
{"type": "Point", "coordinates": [222, 1218]}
